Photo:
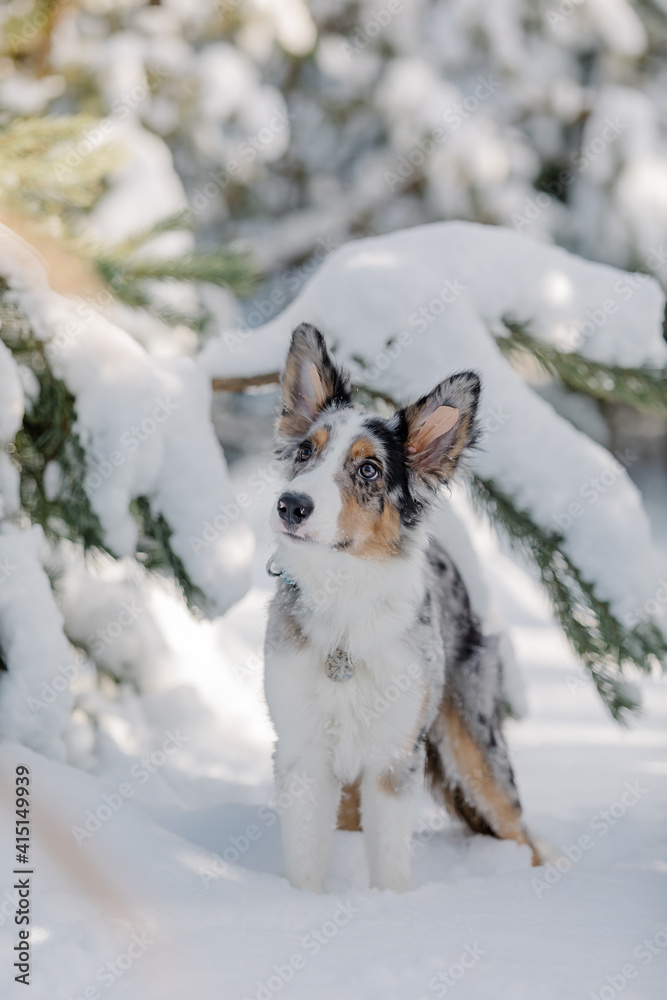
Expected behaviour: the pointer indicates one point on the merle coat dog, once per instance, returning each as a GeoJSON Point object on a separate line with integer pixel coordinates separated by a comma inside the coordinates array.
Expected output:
{"type": "Point", "coordinates": [376, 668]}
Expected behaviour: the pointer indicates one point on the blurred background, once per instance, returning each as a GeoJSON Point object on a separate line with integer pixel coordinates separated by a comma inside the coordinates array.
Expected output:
{"type": "Point", "coordinates": [290, 128]}
{"type": "Point", "coordinates": [180, 170]}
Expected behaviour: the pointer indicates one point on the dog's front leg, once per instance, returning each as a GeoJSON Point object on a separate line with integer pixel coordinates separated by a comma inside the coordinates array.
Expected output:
{"type": "Point", "coordinates": [387, 809]}
{"type": "Point", "coordinates": [308, 806]}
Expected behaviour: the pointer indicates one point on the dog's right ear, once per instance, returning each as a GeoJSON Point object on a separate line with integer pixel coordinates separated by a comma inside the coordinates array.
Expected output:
{"type": "Point", "coordinates": [311, 382]}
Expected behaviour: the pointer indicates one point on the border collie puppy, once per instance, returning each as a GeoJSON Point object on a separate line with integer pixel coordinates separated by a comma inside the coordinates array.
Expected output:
{"type": "Point", "coordinates": [376, 668]}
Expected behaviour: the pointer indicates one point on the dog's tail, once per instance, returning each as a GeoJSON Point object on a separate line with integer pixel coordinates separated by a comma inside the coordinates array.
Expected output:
{"type": "Point", "coordinates": [467, 759]}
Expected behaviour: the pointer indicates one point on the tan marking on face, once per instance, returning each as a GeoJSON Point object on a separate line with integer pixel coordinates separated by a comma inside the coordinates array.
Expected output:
{"type": "Point", "coordinates": [361, 448]}
{"type": "Point", "coordinates": [349, 810]}
{"type": "Point", "coordinates": [319, 438]}
{"type": "Point", "coordinates": [370, 534]}
{"type": "Point", "coordinates": [479, 784]}
{"type": "Point", "coordinates": [367, 531]}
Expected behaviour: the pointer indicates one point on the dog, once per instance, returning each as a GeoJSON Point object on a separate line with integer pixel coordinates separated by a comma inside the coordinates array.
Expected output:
{"type": "Point", "coordinates": [377, 671]}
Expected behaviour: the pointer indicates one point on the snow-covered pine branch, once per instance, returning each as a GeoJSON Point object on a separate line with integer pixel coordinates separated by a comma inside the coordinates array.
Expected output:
{"type": "Point", "coordinates": [406, 310]}
{"type": "Point", "coordinates": [144, 426]}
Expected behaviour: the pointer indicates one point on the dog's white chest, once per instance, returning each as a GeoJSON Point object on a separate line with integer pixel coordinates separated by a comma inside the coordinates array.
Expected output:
{"type": "Point", "coordinates": [372, 718]}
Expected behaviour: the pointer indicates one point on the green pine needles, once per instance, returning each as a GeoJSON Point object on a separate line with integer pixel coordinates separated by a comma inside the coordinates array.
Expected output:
{"type": "Point", "coordinates": [601, 641]}
{"type": "Point", "coordinates": [131, 271]}
{"type": "Point", "coordinates": [154, 550]}
{"type": "Point", "coordinates": [644, 388]}
{"type": "Point", "coordinates": [47, 450]}
{"type": "Point", "coordinates": [52, 463]}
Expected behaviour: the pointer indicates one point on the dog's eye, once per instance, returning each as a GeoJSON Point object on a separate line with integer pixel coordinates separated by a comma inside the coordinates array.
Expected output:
{"type": "Point", "coordinates": [304, 452]}
{"type": "Point", "coordinates": [368, 471]}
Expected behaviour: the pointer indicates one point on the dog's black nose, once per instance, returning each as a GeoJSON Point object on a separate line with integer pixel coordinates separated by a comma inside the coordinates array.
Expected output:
{"type": "Point", "coordinates": [294, 508]}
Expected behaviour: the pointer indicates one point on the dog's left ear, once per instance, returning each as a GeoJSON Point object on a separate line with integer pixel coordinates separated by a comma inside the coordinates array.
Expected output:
{"type": "Point", "coordinates": [439, 426]}
{"type": "Point", "coordinates": [311, 381]}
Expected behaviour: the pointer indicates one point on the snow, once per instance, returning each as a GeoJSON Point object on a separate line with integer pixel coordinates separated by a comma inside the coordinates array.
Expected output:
{"type": "Point", "coordinates": [145, 190]}
{"type": "Point", "coordinates": [12, 401]}
{"type": "Point", "coordinates": [418, 305]}
{"type": "Point", "coordinates": [179, 891]}
{"type": "Point", "coordinates": [145, 425]}
{"type": "Point", "coordinates": [298, 132]}
{"type": "Point", "coordinates": [11, 395]}
{"type": "Point", "coordinates": [35, 698]}
{"type": "Point", "coordinates": [362, 90]}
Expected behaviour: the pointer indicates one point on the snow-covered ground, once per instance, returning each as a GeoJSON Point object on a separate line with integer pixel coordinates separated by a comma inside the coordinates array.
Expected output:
{"type": "Point", "coordinates": [172, 885]}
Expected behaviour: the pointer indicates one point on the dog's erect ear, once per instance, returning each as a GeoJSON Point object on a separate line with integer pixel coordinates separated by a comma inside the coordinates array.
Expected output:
{"type": "Point", "coordinates": [439, 426]}
{"type": "Point", "coordinates": [310, 382]}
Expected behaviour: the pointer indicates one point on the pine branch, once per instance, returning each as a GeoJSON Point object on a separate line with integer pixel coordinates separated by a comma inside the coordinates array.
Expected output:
{"type": "Point", "coordinates": [155, 552]}
{"type": "Point", "coordinates": [48, 435]}
{"type": "Point", "coordinates": [179, 222]}
{"type": "Point", "coordinates": [28, 32]}
{"type": "Point", "coordinates": [55, 163]}
{"type": "Point", "coordinates": [221, 267]}
{"type": "Point", "coordinates": [644, 388]}
{"type": "Point", "coordinates": [239, 383]}
{"type": "Point", "coordinates": [597, 636]}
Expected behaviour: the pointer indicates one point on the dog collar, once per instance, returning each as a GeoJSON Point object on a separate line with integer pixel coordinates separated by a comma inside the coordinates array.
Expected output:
{"type": "Point", "coordinates": [274, 570]}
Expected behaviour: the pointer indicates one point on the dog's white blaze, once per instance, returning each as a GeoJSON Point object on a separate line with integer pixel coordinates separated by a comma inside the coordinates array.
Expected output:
{"type": "Point", "coordinates": [321, 486]}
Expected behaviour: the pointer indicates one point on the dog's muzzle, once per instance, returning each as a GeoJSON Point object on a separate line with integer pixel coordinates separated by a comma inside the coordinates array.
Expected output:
{"type": "Point", "coordinates": [295, 508]}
